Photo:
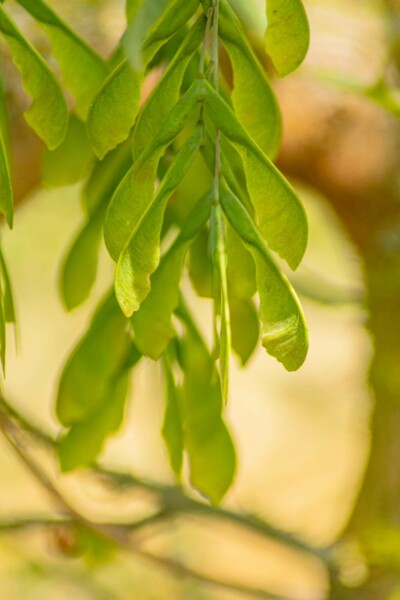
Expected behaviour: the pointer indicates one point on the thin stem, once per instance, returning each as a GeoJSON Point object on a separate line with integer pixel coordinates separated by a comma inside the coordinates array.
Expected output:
{"type": "Point", "coordinates": [210, 13]}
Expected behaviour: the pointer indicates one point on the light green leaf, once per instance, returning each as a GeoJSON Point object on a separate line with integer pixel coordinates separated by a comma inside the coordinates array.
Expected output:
{"type": "Point", "coordinates": [6, 193]}
{"type": "Point", "coordinates": [166, 93]}
{"type": "Point", "coordinates": [285, 333]}
{"type": "Point", "coordinates": [244, 326]}
{"type": "Point", "coordinates": [82, 444]}
{"type": "Point", "coordinates": [48, 113]}
{"type": "Point", "coordinates": [106, 176]}
{"type": "Point", "coordinates": [114, 109]}
{"type": "Point", "coordinates": [172, 430]}
{"type": "Point", "coordinates": [219, 257]}
{"type": "Point", "coordinates": [79, 269]}
{"type": "Point", "coordinates": [288, 34]}
{"type": "Point", "coordinates": [211, 453]}
{"type": "Point", "coordinates": [279, 213]}
{"type": "Point", "coordinates": [82, 69]}
{"type": "Point", "coordinates": [176, 16]}
{"type": "Point", "coordinates": [141, 254]}
{"type": "Point", "coordinates": [70, 162]}
{"type": "Point", "coordinates": [94, 365]}
{"type": "Point", "coordinates": [263, 120]}
{"type": "Point", "coordinates": [135, 192]}
{"type": "Point", "coordinates": [152, 322]}
{"type": "Point", "coordinates": [141, 15]}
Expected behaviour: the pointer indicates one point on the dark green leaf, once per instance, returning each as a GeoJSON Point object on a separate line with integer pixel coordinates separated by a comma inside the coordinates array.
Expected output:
{"type": "Point", "coordinates": [288, 34]}
{"type": "Point", "coordinates": [200, 265]}
{"type": "Point", "coordinates": [6, 193]}
{"type": "Point", "coordinates": [48, 114]}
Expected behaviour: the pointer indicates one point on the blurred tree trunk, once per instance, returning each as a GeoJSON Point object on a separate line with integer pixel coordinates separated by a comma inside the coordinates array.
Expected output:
{"type": "Point", "coordinates": [351, 157]}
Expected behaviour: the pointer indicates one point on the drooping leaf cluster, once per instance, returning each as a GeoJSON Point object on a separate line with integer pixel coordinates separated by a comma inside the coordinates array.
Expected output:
{"type": "Point", "coordinates": [182, 183]}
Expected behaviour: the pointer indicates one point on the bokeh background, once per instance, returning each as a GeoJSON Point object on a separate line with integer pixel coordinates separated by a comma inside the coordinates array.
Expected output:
{"type": "Point", "coordinates": [303, 438]}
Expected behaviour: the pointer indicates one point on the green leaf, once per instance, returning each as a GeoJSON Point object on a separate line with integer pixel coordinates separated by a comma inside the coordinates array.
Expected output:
{"type": "Point", "coordinates": [82, 69]}
{"type": "Point", "coordinates": [200, 265]}
{"type": "Point", "coordinates": [166, 93]}
{"type": "Point", "coordinates": [7, 310]}
{"type": "Point", "coordinates": [70, 162]}
{"type": "Point", "coordinates": [48, 113]}
{"type": "Point", "coordinates": [219, 256]}
{"type": "Point", "coordinates": [135, 192]}
{"type": "Point", "coordinates": [244, 326]}
{"type": "Point", "coordinates": [141, 15]}
{"type": "Point", "coordinates": [141, 254]}
{"type": "Point", "coordinates": [152, 322]}
{"type": "Point", "coordinates": [211, 453]}
{"type": "Point", "coordinates": [6, 193]}
{"type": "Point", "coordinates": [106, 176]}
{"type": "Point", "coordinates": [176, 16]}
{"type": "Point", "coordinates": [279, 212]}
{"type": "Point", "coordinates": [79, 269]}
{"type": "Point", "coordinates": [94, 365]}
{"type": "Point", "coordinates": [83, 443]}
{"type": "Point", "coordinates": [114, 109]}
{"type": "Point", "coordinates": [8, 296]}
{"type": "Point", "coordinates": [284, 334]}
{"type": "Point", "coordinates": [241, 268]}
{"type": "Point", "coordinates": [263, 121]}
{"type": "Point", "coordinates": [172, 430]}
{"type": "Point", "coordinates": [288, 34]}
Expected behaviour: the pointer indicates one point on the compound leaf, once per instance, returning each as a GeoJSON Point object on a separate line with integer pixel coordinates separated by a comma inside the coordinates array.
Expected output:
{"type": "Point", "coordinates": [134, 194]}
{"type": "Point", "coordinates": [279, 212]}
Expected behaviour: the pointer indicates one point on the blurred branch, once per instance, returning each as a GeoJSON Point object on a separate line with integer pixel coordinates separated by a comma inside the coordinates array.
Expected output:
{"type": "Point", "coordinates": [115, 535]}
{"type": "Point", "coordinates": [173, 500]}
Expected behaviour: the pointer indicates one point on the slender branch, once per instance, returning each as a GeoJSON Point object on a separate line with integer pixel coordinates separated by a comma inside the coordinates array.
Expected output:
{"type": "Point", "coordinates": [113, 534]}
{"type": "Point", "coordinates": [173, 499]}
